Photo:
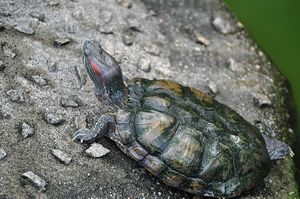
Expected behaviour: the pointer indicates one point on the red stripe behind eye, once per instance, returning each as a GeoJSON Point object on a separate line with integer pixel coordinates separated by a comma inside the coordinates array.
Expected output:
{"type": "Point", "coordinates": [95, 68]}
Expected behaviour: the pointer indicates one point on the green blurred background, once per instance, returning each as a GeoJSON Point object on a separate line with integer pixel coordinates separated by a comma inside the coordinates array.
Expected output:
{"type": "Point", "coordinates": [275, 25]}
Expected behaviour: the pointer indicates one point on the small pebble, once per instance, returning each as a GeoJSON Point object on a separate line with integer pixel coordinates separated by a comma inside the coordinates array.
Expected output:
{"type": "Point", "coordinates": [53, 67]}
{"type": "Point", "coordinates": [152, 49]}
{"type": "Point", "coordinates": [27, 130]}
{"type": "Point", "coordinates": [4, 115]}
{"type": "Point", "coordinates": [36, 180]}
{"type": "Point", "coordinates": [133, 23]}
{"type": "Point", "coordinates": [53, 119]}
{"type": "Point", "coordinates": [61, 41]}
{"type": "Point", "coordinates": [96, 150]}
{"type": "Point", "coordinates": [38, 16]}
{"type": "Point", "coordinates": [124, 3]}
{"type": "Point", "coordinates": [69, 102]}
{"type": "Point", "coordinates": [8, 52]}
{"type": "Point", "coordinates": [2, 66]}
{"type": "Point", "coordinates": [16, 95]}
{"type": "Point", "coordinates": [128, 37]}
{"type": "Point", "coordinates": [261, 100]}
{"type": "Point", "coordinates": [236, 67]}
{"type": "Point", "coordinates": [81, 75]}
{"type": "Point", "coordinates": [24, 28]}
{"type": "Point", "coordinates": [38, 80]}
{"type": "Point", "coordinates": [53, 3]}
{"type": "Point", "coordinates": [222, 25]}
{"type": "Point", "coordinates": [61, 156]}
{"type": "Point", "coordinates": [144, 64]}
{"type": "Point", "coordinates": [201, 39]}
{"type": "Point", "coordinates": [69, 28]}
{"type": "Point", "coordinates": [2, 154]}
{"type": "Point", "coordinates": [212, 86]}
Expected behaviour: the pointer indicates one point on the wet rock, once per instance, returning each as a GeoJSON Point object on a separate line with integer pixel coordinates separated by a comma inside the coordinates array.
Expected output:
{"type": "Point", "coordinates": [26, 130]}
{"type": "Point", "coordinates": [35, 180]}
{"type": "Point", "coordinates": [70, 101]}
{"type": "Point", "coordinates": [212, 86]}
{"type": "Point", "coordinates": [24, 28]}
{"type": "Point", "coordinates": [261, 100]}
{"type": "Point", "coordinates": [38, 80]}
{"type": "Point", "coordinates": [96, 150]}
{"type": "Point", "coordinates": [144, 64]}
{"type": "Point", "coordinates": [16, 95]}
{"type": "Point", "coordinates": [128, 37]}
{"type": "Point", "coordinates": [54, 119]}
{"type": "Point", "coordinates": [133, 23]}
{"type": "Point", "coordinates": [236, 67]}
{"type": "Point", "coordinates": [152, 49]}
{"type": "Point", "coordinates": [38, 16]}
{"type": "Point", "coordinates": [222, 25]}
{"type": "Point", "coordinates": [2, 154]}
{"type": "Point", "coordinates": [2, 66]}
{"type": "Point", "coordinates": [7, 51]}
{"type": "Point", "coordinates": [201, 39]}
{"type": "Point", "coordinates": [61, 41]}
{"type": "Point", "coordinates": [61, 156]}
{"type": "Point", "coordinates": [124, 3]}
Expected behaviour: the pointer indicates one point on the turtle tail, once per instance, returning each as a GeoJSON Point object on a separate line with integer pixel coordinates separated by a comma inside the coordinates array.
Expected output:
{"type": "Point", "coordinates": [277, 149]}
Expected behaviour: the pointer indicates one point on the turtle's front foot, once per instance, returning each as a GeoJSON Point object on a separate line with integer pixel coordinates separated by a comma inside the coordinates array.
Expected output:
{"type": "Point", "coordinates": [84, 136]}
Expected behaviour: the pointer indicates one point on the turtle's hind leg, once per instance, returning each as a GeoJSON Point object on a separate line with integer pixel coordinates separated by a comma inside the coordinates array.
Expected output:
{"type": "Point", "coordinates": [104, 124]}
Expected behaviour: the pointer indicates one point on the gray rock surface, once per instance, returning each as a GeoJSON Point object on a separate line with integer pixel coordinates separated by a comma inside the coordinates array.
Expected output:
{"type": "Point", "coordinates": [164, 32]}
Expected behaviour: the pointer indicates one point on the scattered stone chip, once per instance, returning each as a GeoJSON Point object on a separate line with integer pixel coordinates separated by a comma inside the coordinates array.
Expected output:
{"type": "Point", "coordinates": [222, 25]}
{"type": "Point", "coordinates": [54, 119]}
{"type": "Point", "coordinates": [70, 101]}
{"type": "Point", "coordinates": [39, 80]}
{"type": "Point", "coordinates": [27, 130]}
{"type": "Point", "coordinates": [38, 16]}
{"type": "Point", "coordinates": [35, 180]}
{"type": "Point", "coordinates": [61, 41]}
{"type": "Point", "coordinates": [16, 95]}
{"type": "Point", "coordinates": [152, 49]}
{"type": "Point", "coordinates": [7, 51]}
{"type": "Point", "coordinates": [124, 3]}
{"type": "Point", "coordinates": [144, 64]}
{"type": "Point", "coordinates": [61, 156]}
{"type": "Point", "coordinates": [96, 150]}
{"type": "Point", "coordinates": [2, 154]}
{"type": "Point", "coordinates": [24, 28]}
{"type": "Point", "coordinates": [201, 39]}
{"type": "Point", "coordinates": [212, 86]}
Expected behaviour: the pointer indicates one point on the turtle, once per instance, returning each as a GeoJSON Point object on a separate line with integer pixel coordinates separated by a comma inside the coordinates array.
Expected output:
{"type": "Point", "coordinates": [181, 135]}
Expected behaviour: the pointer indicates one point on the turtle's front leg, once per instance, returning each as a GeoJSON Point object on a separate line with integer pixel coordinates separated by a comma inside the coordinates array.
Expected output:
{"type": "Point", "coordinates": [105, 124]}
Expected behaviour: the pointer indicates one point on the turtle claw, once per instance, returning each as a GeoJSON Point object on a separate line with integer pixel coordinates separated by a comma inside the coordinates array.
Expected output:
{"type": "Point", "coordinates": [82, 135]}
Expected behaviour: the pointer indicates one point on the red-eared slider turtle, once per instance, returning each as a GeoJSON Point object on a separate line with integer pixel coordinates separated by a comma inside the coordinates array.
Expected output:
{"type": "Point", "coordinates": [179, 134]}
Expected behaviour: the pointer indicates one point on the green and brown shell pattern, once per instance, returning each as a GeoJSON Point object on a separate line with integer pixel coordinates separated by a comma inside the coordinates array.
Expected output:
{"type": "Point", "coordinates": [189, 140]}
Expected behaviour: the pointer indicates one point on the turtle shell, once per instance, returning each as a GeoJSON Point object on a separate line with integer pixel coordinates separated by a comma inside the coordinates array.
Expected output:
{"type": "Point", "coordinates": [189, 140]}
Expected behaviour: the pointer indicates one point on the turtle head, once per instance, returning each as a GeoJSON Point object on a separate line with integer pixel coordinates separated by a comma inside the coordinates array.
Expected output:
{"type": "Point", "coordinates": [105, 73]}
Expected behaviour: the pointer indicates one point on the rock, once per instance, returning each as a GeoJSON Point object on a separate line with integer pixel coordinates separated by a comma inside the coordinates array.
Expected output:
{"type": "Point", "coordinates": [128, 37]}
{"type": "Point", "coordinates": [70, 101]}
{"type": "Point", "coordinates": [2, 66]}
{"type": "Point", "coordinates": [69, 28]}
{"type": "Point", "coordinates": [152, 49]}
{"type": "Point", "coordinates": [261, 100]}
{"type": "Point", "coordinates": [124, 3]}
{"type": "Point", "coordinates": [7, 51]}
{"type": "Point", "coordinates": [54, 119]}
{"type": "Point", "coordinates": [2, 154]}
{"type": "Point", "coordinates": [212, 86]}
{"type": "Point", "coordinates": [61, 41]}
{"type": "Point", "coordinates": [24, 28]}
{"type": "Point", "coordinates": [144, 64]}
{"type": "Point", "coordinates": [96, 150]}
{"type": "Point", "coordinates": [201, 39]}
{"type": "Point", "coordinates": [61, 156]}
{"type": "Point", "coordinates": [38, 80]}
{"type": "Point", "coordinates": [35, 180]}
{"type": "Point", "coordinates": [222, 25]}
{"type": "Point", "coordinates": [26, 130]}
{"type": "Point", "coordinates": [16, 95]}
{"type": "Point", "coordinates": [37, 15]}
